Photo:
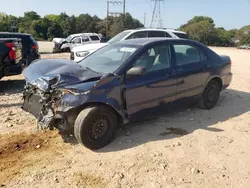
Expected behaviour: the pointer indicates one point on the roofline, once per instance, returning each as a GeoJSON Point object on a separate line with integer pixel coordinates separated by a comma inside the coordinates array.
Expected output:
{"type": "Point", "coordinates": [15, 33]}
{"type": "Point", "coordinates": [156, 29]}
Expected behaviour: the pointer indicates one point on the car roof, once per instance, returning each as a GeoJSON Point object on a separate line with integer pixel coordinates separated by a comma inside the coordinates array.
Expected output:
{"type": "Point", "coordinates": [14, 33]}
{"type": "Point", "coordinates": [156, 29]}
{"type": "Point", "coordinates": [84, 34]}
{"type": "Point", "coordinates": [145, 41]}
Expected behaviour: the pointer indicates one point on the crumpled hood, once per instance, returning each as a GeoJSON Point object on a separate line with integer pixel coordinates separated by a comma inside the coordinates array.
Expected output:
{"type": "Point", "coordinates": [58, 73]}
{"type": "Point", "coordinates": [58, 40]}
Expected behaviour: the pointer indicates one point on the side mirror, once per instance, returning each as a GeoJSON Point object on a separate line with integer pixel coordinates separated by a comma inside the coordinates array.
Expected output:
{"type": "Point", "coordinates": [136, 71]}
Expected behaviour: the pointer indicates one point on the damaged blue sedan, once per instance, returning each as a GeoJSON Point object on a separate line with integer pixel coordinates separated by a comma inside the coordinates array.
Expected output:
{"type": "Point", "coordinates": [122, 82]}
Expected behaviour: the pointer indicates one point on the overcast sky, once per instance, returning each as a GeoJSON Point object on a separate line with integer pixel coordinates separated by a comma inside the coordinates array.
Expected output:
{"type": "Point", "coordinates": [226, 13]}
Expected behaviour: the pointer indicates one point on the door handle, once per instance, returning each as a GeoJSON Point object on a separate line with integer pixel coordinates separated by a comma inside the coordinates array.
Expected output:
{"type": "Point", "coordinates": [207, 65]}
{"type": "Point", "coordinates": [172, 73]}
{"type": "Point", "coordinates": [179, 69]}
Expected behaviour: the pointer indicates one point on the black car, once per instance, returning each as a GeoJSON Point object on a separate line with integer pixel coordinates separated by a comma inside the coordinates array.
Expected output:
{"type": "Point", "coordinates": [29, 45]}
{"type": "Point", "coordinates": [123, 82]}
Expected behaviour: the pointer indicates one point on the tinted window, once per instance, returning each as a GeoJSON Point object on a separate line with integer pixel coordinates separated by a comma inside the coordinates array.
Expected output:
{"type": "Point", "coordinates": [140, 34]}
{"type": "Point", "coordinates": [156, 34]}
{"type": "Point", "coordinates": [76, 40]}
{"type": "Point", "coordinates": [85, 39]}
{"type": "Point", "coordinates": [156, 58]}
{"type": "Point", "coordinates": [181, 35]}
{"type": "Point", "coordinates": [32, 40]}
{"type": "Point", "coordinates": [94, 38]}
{"type": "Point", "coordinates": [186, 54]}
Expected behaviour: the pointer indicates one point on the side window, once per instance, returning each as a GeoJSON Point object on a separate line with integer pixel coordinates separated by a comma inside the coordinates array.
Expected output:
{"type": "Point", "coordinates": [85, 39]}
{"type": "Point", "coordinates": [186, 54]}
{"type": "Point", "coordinates": [168, 35]}
{"type": "Point", "coordinates": [140, 34]}
{"type": "Point", "coordinates": [156, 34]}
{"type": "Point", "coordinates": [76, 40]}
{"type": "Point", "coordinates": [154, 59]}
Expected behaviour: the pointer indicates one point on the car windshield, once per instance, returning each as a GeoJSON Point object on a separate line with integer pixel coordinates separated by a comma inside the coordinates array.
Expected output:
{"type": "Point", "coordinates": [119, 36]}
{"type": "Point", "coordinates": [109, 58]}
{"type": "Point", "coordinates": [68, 39]}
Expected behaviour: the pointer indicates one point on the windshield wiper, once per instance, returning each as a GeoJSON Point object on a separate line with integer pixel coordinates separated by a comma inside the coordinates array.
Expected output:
{"type": "Point", "coordinates": [91, 70]}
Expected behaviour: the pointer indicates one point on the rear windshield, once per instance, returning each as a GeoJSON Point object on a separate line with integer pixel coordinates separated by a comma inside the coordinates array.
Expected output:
{"type": "Point", "coordinates": [94, 37]}
{"type": "Point", "coordinates": [32, 39]}
{"type": "Point", "coordinates": [181, 35]}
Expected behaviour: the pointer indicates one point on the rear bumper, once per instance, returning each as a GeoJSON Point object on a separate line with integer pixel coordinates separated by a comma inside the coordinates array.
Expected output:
{"type": "Point", "coordinates": [226, 80]}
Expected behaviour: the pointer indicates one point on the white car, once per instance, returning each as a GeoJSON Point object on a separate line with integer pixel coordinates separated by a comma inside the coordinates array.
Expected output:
{"type": "Point", "coordinates": [79, 53]}
{"type": "Point", "coordinates": [66, 45]}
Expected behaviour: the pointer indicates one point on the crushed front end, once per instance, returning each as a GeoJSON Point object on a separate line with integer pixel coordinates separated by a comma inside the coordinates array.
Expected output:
{"type": "Point", "coordinates": [54, 91]}
{"type": "Point", "coordinates": [43, 106]}
{"type": "Point", "coordinates": [53, 108]}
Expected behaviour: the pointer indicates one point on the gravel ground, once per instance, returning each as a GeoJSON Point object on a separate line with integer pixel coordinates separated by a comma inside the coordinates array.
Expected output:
{"type": "Point", "coordinates": [184, 148]}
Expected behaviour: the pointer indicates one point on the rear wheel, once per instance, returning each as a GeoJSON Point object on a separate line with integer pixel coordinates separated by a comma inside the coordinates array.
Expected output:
{"type": "Point", "coordinates": [95, 127]}
{"type": "Point", "coordinates": [210, 95]}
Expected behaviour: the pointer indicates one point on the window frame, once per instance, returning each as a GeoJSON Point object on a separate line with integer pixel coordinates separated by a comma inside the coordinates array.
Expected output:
{"type": "Point", "coordinates": [151, 73]}
{"type": "Point", "coordinates": [86, 38]}
{"type": "Point", "coordinates": [75, 39]}
{"type": "Point", "coordinates": [193, 46]}
{"type": "Point", "coordinates": [134, 33]}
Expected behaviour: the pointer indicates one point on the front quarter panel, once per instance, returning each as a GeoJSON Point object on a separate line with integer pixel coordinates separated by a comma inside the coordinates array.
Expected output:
{"type": "Point", "coordinates": [108, 91]}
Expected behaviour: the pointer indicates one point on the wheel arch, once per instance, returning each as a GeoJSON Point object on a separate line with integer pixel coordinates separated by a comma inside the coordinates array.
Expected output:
{"type": "Point", "coordinates": [73, 113]}
{"type": "Point", "coordinates": [217, 79]}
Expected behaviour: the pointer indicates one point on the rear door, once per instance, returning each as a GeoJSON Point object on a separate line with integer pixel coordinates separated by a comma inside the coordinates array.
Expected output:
{"type": "Point", "coordinates": [192, 69]}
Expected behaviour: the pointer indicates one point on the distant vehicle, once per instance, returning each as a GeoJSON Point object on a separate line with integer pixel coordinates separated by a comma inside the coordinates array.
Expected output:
{"type": "Point", "coordinates": [78, 53]}
{"type": "Point", "coordinates": [244, 47]}
{"type": "Point", "coordinates": [66, 45]}
{"type": "Point", "coordinates": [123, 82]}
{"type": "Point", "coordinates": [10, 57]}
{"type": "Point", "coordinates": [30, 48]}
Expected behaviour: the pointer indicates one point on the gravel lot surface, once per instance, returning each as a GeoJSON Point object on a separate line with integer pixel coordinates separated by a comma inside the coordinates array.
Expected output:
{"type": "Point", "coordinates": [185, 148]}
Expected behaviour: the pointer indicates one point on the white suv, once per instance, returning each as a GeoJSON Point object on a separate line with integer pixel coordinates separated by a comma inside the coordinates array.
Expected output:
{"type": "Point", "coordinates": [66, 45]}
{"type": "Point", "coordinates": [78, 53]}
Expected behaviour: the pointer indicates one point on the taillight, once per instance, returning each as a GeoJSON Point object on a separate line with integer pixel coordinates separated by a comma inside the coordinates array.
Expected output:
{"type": "Point", "coordinates": [9, 45]}
{"type": "Point", "coordinates": [12, 52]}
{"type": "Point", "coordinates": [34, 46]}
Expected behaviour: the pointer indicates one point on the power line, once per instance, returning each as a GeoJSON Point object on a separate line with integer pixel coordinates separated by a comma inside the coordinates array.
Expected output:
{"type": "Point", "coordinates": [156, 17]}
{"type": "Point", "coordinates": [115, 14]}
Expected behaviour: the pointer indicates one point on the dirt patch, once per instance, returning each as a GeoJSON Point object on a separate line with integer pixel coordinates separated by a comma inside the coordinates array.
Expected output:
{"type": "Point", "coordinates": [17, 152]}
{"type": "Point", "coordinates": [88, 180]}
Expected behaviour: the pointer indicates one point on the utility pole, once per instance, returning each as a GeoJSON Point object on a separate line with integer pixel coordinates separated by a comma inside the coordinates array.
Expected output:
{"type": "Point", "coordinates": [156, 17]}
{"type": "Point", "coordinates": [144, 19]}
{"type": "Point", "coordinates": [13, 26]}
{"type": "Point", "coordinates": [109, 13]}
{"type": "Point", "coordinates": [124, 14]}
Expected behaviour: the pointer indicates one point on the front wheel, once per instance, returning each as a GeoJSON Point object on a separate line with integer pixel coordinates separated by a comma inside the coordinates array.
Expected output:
{"type": "Point", "coordinates": [95, 127]}
{"type": "Point", "coordinates": [210, 95]}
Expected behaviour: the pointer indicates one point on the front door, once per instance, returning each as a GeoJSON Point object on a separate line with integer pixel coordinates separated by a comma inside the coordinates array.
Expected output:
{"type": "Point", "coordinates": [156, 87]}
{"type": "Point", "coordinates": [192, 70]}
{"type": "Point", "coordinates": [77, 41]}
